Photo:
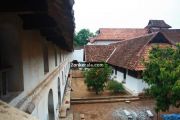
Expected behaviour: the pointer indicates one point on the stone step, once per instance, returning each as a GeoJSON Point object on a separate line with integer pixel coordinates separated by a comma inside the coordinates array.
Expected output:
{"type": "Point", "coordinates": [104, 97]}
{"type": "Point", "coordinates": [63, 112]}
{"type": "Point", "coordinates": [65, 104]}
{"type": "Point", "coordinates": [103, 101]}
{"type": "Point", "coordinates": [69, 117]}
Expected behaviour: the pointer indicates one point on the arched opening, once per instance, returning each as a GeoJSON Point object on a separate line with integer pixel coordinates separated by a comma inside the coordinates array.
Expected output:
{"type": "Point", "coordinates": [59, 91]}
{"type": "Point", "coordinates": [51, 105]}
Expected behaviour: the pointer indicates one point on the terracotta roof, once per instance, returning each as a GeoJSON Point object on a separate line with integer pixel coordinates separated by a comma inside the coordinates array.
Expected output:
{"type": "Point", "coordinates": [97, 53]}
{"type": "Point", "coordinates": [118, 34]}
{"type": "Point", "coordinates": [173, 34]}
{"type": "Point", "coordinates": [157, 24]}
{"type": "Point", "coordinates": [126, 54]}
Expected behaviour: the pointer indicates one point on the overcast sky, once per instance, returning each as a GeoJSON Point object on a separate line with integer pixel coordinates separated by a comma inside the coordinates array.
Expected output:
{"type": "Point", "coordinates": [95, 14]}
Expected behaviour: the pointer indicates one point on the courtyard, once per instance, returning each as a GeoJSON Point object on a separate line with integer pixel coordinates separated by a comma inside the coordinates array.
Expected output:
{"type": "Point", "coordinates": [108, 110]}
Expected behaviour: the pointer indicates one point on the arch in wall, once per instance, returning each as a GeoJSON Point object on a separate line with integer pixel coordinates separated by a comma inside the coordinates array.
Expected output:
{"type": "Point", "coordinates": [59, 91]}
{"type": "Point", "coordinates": [51, 105]}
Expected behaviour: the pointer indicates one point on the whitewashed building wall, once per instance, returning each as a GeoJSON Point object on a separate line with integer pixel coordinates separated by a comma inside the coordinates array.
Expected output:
{"type": "Point", "coordinates": [78, 55]}
{"type": "Point", "coordinates": [132, 84]}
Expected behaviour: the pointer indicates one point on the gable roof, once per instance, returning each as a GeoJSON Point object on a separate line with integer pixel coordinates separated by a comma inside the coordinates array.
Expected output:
{"type": "Point", "coordinates": [118, 34]}
{"type": "Point", "coordinates": [130, 53]}
{"type": "Point", "coordinates": [126, 54]}
{"type": "Point", "coordinates": [157, 24]}
{"type": "Point", "coordinates": [172, 34]}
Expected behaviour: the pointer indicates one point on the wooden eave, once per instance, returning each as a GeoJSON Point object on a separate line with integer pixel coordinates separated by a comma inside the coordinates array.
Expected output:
{"type": "Point", "coordinates": [52, 18]}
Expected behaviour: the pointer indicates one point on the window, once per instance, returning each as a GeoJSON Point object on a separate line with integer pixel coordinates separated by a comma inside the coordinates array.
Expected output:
{"type": "Point", "coordinates": [45, 58]}
{"type": "Point", "coordinates": [55, 56]}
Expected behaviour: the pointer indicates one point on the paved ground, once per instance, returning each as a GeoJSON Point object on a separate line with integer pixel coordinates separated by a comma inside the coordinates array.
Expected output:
{"type": "Point", "coordinates": [105, 111]}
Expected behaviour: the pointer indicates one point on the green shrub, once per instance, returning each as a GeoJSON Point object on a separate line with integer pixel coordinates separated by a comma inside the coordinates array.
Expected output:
{"type": "Point", "coordinates": [115, 86]}
{"type": "Point", "coordinates": [96, 78]}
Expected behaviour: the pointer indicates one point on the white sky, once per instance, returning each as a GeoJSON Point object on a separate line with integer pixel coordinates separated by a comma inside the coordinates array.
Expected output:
{"type": "Point", "coordinates": [95, 14]}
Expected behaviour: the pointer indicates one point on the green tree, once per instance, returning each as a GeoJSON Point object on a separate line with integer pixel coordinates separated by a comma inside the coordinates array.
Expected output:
{"type": "Point", "coordinates": [162, 73]}
{"type": "Point", "coordinates": [81, 38]}
{"type": "Point", "coordinates": [96, 78]}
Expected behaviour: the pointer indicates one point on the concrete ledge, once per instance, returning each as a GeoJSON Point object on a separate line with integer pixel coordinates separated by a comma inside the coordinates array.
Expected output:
{"type": "Point", "coordinates": [103, 100]}
{"type": "Point", "coordinates": [66, 101]}
{"type": "Point", "coordinates": [10, 113]}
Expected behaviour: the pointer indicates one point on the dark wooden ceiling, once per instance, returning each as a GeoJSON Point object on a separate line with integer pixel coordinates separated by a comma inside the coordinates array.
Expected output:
{"type": "Point", "coordinates": [54, 18]}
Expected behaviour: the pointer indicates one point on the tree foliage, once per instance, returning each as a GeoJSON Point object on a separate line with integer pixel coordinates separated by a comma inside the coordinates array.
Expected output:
{"type": "Point", "coordinates": [81, 38]}
{"type": "Point", "coordinates": [96, 78]}
{"type": "Point", "coordinates": [162, 73]}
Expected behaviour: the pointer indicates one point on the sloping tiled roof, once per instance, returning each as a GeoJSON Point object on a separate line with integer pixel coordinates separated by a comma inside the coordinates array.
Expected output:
{"type": "Point", "coordinates": [97, 53]}
{"type": "Point", "coordinates": [157, 24]}
{"type": "Point", "coordinates": [126, 54]}
{"type": "Point", "coordinates": [172, 34]}
{"type": "Point", "coordinates": [118, 34]}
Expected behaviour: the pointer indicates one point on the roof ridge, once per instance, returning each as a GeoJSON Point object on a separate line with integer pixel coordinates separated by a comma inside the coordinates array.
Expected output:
{"type": "Point", "coordinates": [148, 34]}
{"type": "Point", "coordinates": [142, 49]}
{"type": "Point", "coordinates": [111, 54]}
{"type": "Point", "coordinates": [124, 28]}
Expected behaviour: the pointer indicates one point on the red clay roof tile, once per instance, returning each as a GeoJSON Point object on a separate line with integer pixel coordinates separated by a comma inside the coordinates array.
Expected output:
{"type": "Point", "coordinates": [118, 34]}
{"type": "Point", "coordinates": [126, 54]}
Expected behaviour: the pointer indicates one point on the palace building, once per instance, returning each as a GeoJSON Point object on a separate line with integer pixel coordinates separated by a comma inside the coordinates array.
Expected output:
{"type": "Point", "coordinates": [36, 45]}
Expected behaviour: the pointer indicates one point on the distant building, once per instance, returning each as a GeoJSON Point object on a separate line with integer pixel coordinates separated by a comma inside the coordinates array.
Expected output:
{"type": "Point", "coordinates": [126, 55]}
{"type": "Point", "coordinates": [78, 54]}
{"type": "Point", "coordinates": [113, 35]}
{"type": "Point", "coordinates": [36, 44]}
